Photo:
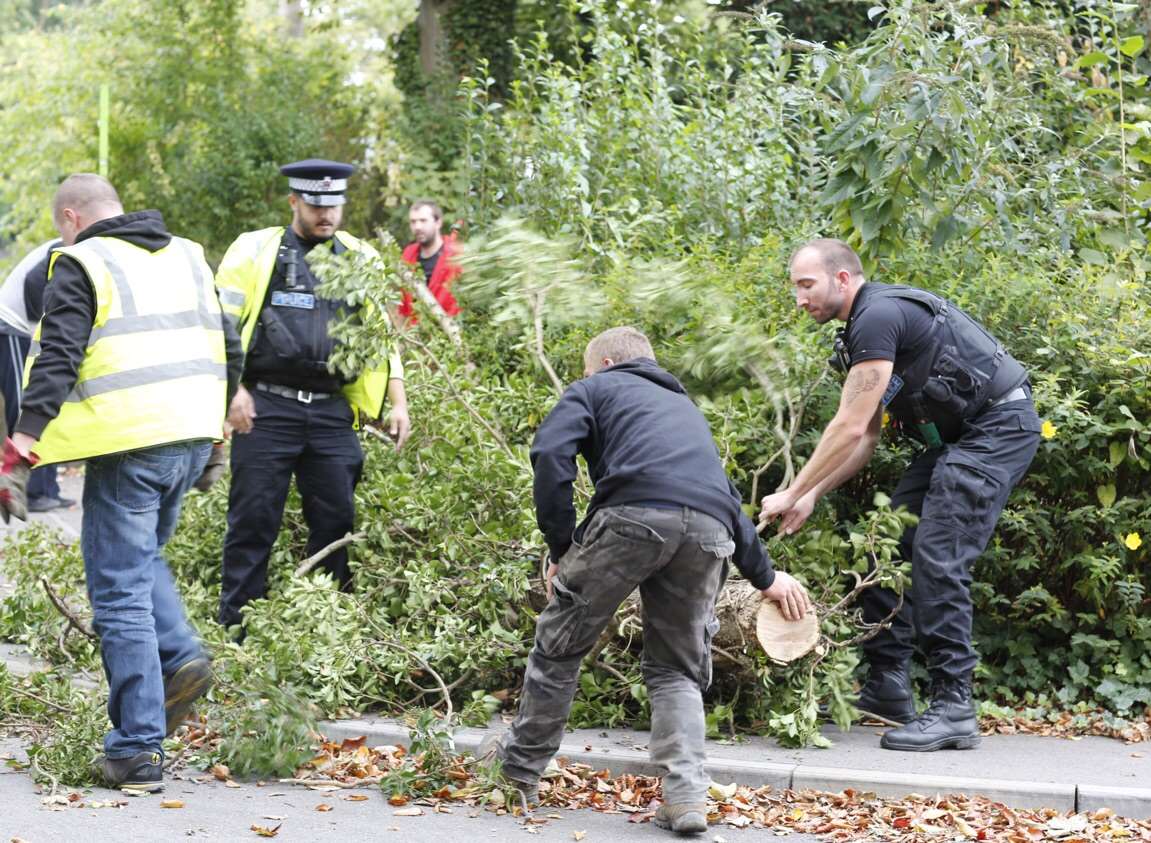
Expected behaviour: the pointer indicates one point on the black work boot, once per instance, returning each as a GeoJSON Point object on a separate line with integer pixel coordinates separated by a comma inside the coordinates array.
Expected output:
{"type": "Point", "coordinates": [142, 772]}
{"type": "Point", "coordinates": [887, 695]}
{"type": "Point", "coordinates": [948, 723]}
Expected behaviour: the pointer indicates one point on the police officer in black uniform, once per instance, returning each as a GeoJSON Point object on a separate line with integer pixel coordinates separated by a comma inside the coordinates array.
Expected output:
{"type": "Point", "coordinates": [295, 414]}
{"type": "Point", "coordinates": [946, 382]}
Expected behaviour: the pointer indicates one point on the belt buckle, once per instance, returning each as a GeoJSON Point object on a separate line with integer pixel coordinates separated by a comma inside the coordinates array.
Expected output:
{"type": "Point", "coordinates": [304, 396]}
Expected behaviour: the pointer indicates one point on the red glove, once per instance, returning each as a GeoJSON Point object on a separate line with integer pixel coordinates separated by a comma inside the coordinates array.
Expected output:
{"type": "Point", "coordinates": [14, 471]}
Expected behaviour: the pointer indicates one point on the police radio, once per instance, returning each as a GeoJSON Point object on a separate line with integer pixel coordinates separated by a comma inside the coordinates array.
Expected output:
{"type": "Point", "coordinates": [840, 359]}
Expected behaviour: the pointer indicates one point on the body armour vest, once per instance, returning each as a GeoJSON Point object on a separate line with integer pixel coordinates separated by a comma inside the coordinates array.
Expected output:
{"type": "Point", "coordinates": [292, 342]}
{"type": "Point", "coordinates": [953, 372]}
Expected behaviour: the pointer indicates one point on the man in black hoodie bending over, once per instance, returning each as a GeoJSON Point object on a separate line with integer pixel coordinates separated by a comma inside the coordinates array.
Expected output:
{"type": "Point", "coordinates": [664, 518]}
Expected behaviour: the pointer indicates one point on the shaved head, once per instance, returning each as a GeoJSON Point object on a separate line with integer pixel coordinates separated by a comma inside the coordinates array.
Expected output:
{"type": "Point", "coordinates": [826, 275]}
{"type": "Point", "coordinates": [86, 193]}
{"type": "Point", "coordinates": [617, 345]}
{"type": "Point", "coordinates": [835, 255]}
{"type": "Point", "coordinates": [81, 200]}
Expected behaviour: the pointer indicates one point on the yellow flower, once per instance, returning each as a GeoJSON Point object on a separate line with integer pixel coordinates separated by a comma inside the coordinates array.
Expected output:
{"type": "Point", "coordinates": [1049, 430]}
{"type": "Point", "coordinates": [886, 419]}
{"type": "Point", "coordinates": [1133, 541]}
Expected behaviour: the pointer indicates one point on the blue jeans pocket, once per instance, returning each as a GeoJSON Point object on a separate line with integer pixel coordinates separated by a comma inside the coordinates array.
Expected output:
{"type": "Point", "coordinates": [145, 477]}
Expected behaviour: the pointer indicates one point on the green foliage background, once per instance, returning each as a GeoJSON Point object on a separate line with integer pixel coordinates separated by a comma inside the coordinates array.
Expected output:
{"type": "Point", "coordinates": [655, 164]}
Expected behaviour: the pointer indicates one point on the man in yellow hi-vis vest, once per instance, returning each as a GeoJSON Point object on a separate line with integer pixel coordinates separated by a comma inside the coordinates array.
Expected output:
{"type": "Point", "coordinates": [295, 414]}
{"type": "Point", "coordinates": [130, 373]}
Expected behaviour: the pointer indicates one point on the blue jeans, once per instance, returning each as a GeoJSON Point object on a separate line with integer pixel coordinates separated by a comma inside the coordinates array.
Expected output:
{"type": "Point", "coordinates": [131, 506]}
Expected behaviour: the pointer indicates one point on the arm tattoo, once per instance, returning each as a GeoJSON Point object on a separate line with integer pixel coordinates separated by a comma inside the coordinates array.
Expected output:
{"type": "Point", "coordinates": [859, 383]}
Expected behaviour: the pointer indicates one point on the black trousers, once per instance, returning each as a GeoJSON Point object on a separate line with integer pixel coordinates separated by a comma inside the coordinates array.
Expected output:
{"type": "Point", "coordinates": [315, 442]}
{"type": "Point", "coordinates": [958, 492]}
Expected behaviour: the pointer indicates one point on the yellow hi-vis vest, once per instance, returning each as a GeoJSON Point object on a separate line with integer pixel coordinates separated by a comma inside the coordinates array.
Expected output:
{"type": "Point", "coordinates": [154, 371]}
{"type": "Point", "coordinates": [243, 279]}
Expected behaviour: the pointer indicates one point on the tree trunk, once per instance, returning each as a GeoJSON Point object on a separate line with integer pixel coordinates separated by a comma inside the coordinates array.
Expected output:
{"type": "Point", "coordinates": [433, 42]}
{"type": "Point", "coordinates": [293, 14]}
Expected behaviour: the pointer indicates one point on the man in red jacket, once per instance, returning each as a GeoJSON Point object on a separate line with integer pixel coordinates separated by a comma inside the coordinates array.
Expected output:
{"type": "Point", "coordinates": [435, 255]}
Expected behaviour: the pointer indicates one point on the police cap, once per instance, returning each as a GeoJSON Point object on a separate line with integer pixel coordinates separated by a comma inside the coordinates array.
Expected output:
{"type": "Point", "coordinates": [318, 182]}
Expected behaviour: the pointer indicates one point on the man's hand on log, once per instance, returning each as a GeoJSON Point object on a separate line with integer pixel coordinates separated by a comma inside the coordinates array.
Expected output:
{"type": "Point", "coordinates": [789, 594]}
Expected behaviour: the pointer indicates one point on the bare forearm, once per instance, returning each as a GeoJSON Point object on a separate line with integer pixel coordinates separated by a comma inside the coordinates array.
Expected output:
{"type": "Point", "coordinates": [835, 450]}
{"type": "Point", "coordinates": [858, 459]}
{"type": "Point", "coordinates": [397, 396]}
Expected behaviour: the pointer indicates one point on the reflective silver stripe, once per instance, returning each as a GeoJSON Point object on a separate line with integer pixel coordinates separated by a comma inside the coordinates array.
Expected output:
{"type": "Point", "coordinates": [147, 375]}
{"type": "Point", "coordinates": [121, 325]}
{"type": "Point", "coordinates": [127, 302]}
{"type": "Point", "coordinates": [232, 298]}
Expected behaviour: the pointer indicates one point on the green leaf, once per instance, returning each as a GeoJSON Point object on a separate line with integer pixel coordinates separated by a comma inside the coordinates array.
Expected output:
{"type": "Point", "coordinates": [1106, 495]}
{"type": "Point", "coordinates": [1132, 46]}
{"type": "Point", "coordinates": [1118, 451]}
{"type": "Point", "coordinates": [1092, 58]}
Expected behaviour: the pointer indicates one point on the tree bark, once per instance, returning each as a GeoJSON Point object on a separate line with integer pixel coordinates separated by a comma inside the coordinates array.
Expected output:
{"type": "Point", "coordinates": [293, 14]}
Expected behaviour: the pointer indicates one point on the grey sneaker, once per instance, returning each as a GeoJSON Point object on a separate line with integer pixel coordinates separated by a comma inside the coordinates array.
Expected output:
{"type": "Point", "coordinates": [684, 818]}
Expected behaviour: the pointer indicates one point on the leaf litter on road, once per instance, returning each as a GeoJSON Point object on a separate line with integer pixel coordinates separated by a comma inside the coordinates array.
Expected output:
{"type": "Point", "coordinates": [851, 815]}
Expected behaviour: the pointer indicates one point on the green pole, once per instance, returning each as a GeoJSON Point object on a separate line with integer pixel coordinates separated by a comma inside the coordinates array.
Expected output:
{"type": "Point", "coordinates": [104, 130]}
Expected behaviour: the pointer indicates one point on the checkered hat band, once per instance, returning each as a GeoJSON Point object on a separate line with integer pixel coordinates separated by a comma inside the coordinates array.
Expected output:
{"type": "Point", "coordinates": [318, 185]}
{"type": "Point", "coordinates": [322, 199]}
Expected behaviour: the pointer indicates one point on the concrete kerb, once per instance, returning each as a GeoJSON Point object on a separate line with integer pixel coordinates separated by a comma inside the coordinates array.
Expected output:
{"type": "Point", "coordinates": [1124, 801]}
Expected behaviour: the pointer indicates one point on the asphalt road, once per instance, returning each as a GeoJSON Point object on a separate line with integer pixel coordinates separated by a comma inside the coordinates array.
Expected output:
{"type": "Point", "coordinates": [212, 811]}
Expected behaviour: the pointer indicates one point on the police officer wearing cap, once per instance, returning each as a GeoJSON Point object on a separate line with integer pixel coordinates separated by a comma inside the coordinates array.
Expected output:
{"type": "Point", "coordinates": [947, 383]}
{"type": "Point", "coordinates": [295, 415]}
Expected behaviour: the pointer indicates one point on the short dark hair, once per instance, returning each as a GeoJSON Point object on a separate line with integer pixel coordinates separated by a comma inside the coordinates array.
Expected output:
{"type": "Point", "coordinates": [834, 254]}
{"type": "Point", "coordinates": [428, 203]}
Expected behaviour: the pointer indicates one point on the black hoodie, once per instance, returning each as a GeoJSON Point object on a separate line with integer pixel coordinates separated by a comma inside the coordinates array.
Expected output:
{"type": "Point", "coordinates": [70, 312]}
{"type": "Point", "coordinates": [643, 440]}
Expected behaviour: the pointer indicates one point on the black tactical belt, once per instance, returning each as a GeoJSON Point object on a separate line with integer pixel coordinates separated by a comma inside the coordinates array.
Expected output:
{"type": "Point", "coordinates": [301, 395]}
{"type": "Point", "coordinates": [1017, 394]}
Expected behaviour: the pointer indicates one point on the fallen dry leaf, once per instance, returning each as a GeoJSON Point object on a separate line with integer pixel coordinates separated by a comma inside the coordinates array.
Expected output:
{"type": "Point", "coordinates": [847, 817]}
{"type": "Point", "coordinates": [323, 806]}
{"type": "Point", "coordinates": [579, 835]}
{"type": "Point", "coordinates": [356, 797]}
{"type": "Point", "coordinates": [172, 803]}
{"type": "Point", "coordinates": [220, 772]}
{"type": "Point", "coordinates": [264, 831]}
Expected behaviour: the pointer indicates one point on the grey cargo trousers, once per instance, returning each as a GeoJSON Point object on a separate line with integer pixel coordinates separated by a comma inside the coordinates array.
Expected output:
{"type": "Point", "coordinates": [678, 559]}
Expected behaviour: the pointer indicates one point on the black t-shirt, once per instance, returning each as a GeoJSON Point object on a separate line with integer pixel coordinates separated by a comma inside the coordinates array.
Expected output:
{"type": "Point", "coordinates": [884, 327]}
{"type": "Point", "coordinates": [429, 263]}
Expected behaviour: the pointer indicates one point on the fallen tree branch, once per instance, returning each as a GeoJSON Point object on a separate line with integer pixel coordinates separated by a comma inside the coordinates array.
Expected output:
{"type": "Point", "coordinates": [536, 301]}
{"type": "Point", "coordinates": [364, 782]}
{"type": "Point", "coordinates": [31, 696]}
{"type": "Point", "coordinates": [68, 614]}
{"type": "Point", "coordinates": [449, 382]}
{"type": "Point", "coordinates": [318, 557]}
